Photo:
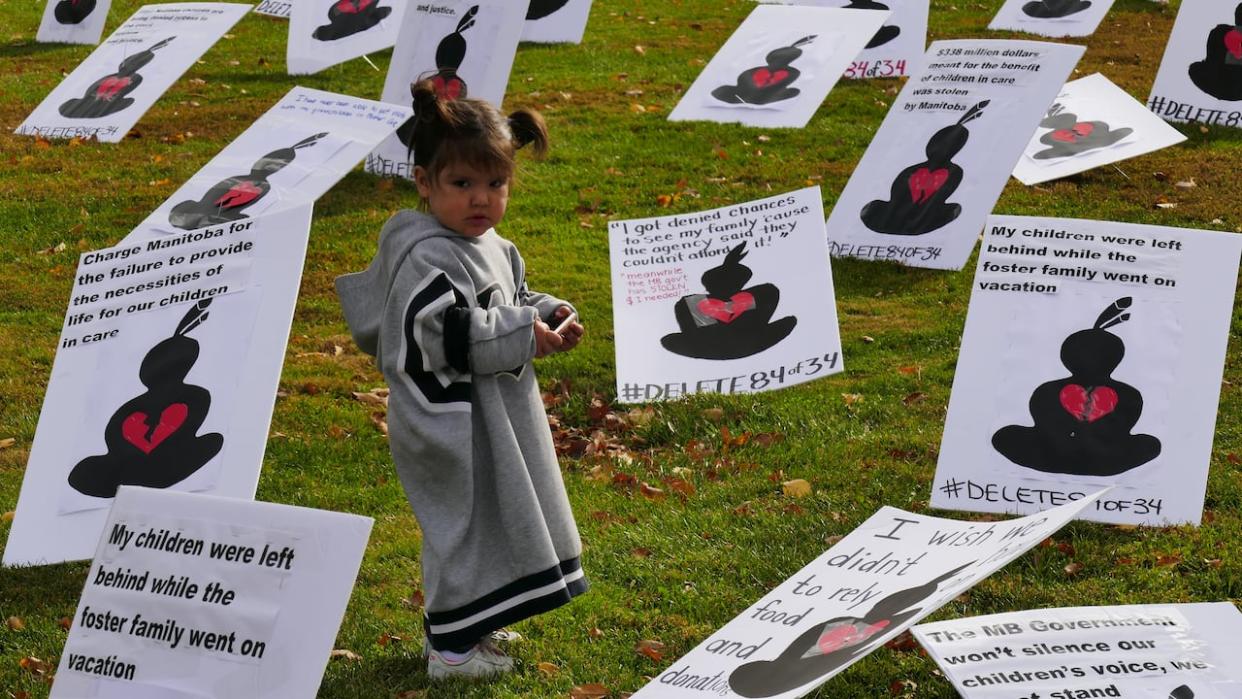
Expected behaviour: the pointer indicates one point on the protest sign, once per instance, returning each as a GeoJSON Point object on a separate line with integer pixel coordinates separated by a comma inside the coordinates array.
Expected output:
{"type": "Point", "coordinates": [1055, 18]}
{"type": "Point", "coordinates": [946, 150]}
{"type": "Point", "coordinates": [201, 597]}
{"type": "Point", "coordinates": [280, 9]}
{"type": "Point", "coordinates": [897, 49]}
{"type": "Point", "coordinates": [779, 65]}
{"type": "Point", "coordinates": [1092, 355]}
{"type": "Point", "coordinates": [165, 377]}
{"type": "Point", "coordinates": [323, 33]}
{"type": "Point", "coordinates": [1157, 651]}
{"type": "Point", "coordinates": [108, 92]}
{"type": "Point", "coordinates": [697, 307]}
{"type": "Point", "coordinates": [1092, 123]}
{"type": "Point", "coordinates": [73, 21]}
{"type": "Point", "coordinates": [894, 569]}
{"type": "Point", "coordinates": [1200, 77]}
{"type": "Point", "coordinates": [556, 21]}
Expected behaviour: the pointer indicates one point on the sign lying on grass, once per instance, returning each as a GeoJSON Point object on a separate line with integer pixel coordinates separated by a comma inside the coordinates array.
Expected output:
{"type": "Point", "coordinates": [73, 21]}
{"type": "Point", "coordinates": [323, 33]}
{"type": "Point", "coordinates": [778, 67]}
{"type": "Point", "coordinates": [165, 377]}
{"type": "Point", "coordinates": [108, 92]}
{"type": "Point", "coordinates": [733, 300]}
{"type": "Point", "coordinates": [1200, 77]}
{"type": "Point", "coordinates": [1092, 355]}
{"type": "Point", "coordinates": [1175, 651]}
{"type": "Point", "coordinates": [556, 21]}
{"type": "Point", "coordinates": [280, 9]}
{"type": "Point", "coordinates": [317, 138]}
{"type": "Point", "coordinates": [465, 48]}
{"type": "Point", "coordinates": [200, 597]}
{"type": "Point", "coordinates": [1092, 123]}
{"type": "Point", "coordinates": [1055, 18]}
{"type": "Point", "coordinates": [894, 569]}
{"type": "Point", "coordinates": [898, 47]}
{"type": "Point", "coordinates": [939, 161]}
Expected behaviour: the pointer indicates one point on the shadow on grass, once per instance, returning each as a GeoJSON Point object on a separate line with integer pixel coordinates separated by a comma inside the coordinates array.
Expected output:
{"type": "Point", "coordinates": [33, 588]}
{"type": "Point", "coordinates": [31, 48]}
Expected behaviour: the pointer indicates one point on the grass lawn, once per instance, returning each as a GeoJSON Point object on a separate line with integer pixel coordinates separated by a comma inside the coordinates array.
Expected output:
{"type": "Point", "coordinates": [668, 569]}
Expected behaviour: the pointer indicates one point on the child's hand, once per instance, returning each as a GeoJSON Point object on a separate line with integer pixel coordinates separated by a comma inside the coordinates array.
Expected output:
{"type": "Point", "coordinates": [568, 328]}
{"type": "Point", "coordinates": [546, 339]}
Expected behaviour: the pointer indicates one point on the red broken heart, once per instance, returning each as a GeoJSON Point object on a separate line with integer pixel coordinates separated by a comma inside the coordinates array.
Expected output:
{"type": "Point", "coordinates": [352, 7]}
{"type": "Point", "coordinates": [134, 428]}
{"type": "Point", "coordinates": [848, 635]}
{"type": "Point", "coordinates": [449, 89]}
{"type": "Point", "coordinates": [111, 86]}
{"type": "Point", "coordinates": [1080, 130]}
{"type": "Point", "coordinates": [239, 194]}
{"type": "Point", "coordinates": [1088, 404]}
{"type": "Point", "coordinates": [1233, 43]}
{"type": "Point", "coordinates": [727, 311]}
{"type": "Point", "coordinates": [764, 77]}
{"type": "Point", "coordinates": [924, 183]}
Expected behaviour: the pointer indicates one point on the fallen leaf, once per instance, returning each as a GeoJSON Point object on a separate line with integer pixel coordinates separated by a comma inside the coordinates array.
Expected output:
{"type": "Point", "coordinates": [868, 339]}
{"type": "Point", "coordinates": [640, 552]}
{"type": "Point", "coordinates": [713, 414]}
{"type": "Point", "coordinates": [640, 50]}
{"type": "Point", "coordinates": [15, 623]}
{"type": "Point", "coordinates": [904, 641]}
{"type": "Point", "coordinates": [42, 143]}
{"type": "Point", "coordinates": [595, 632]}
{"type": "Point", "coordinates": [796, 488]}
{"type": "Point", "coordinates": [35, 666]}
{"type": "Point", "coordinates": [548, 669]}
{"type": "Point", "coordinates": [913, 398]}
{"type": "Point", "coordinates": [681, 487]}
{"type": "Point", "coordinates": [415, 600]}
{"type": "Point", "coordinates": [386, 638]}
{"type": "Point", "coordinates": [376, 397]}
{"type": "Point", "coordinates": [7, 442]}
{"type": "Point", "coordinates": [664, 200]}
{"type": "Point", "coordinates": [411, 694]}
{"type": "Point", "coordinates": [65, 623]}
{"type": "Point", "coordinates": [1168, 560]}
{"type": "Point", "coordinates": [1074, 568]}
{"type": "Point", "coordinates": [8, 516]}
{"type": "Point", "coordinates": [651, 492]}
{"type": "Point", "coordinates": [380, 420]}
{"type": "Point", "coordinates": [852, 398]}
{"type": "Point", "coordinates": [589, 691]}
{"type": "Point", "coordinates": [651, 649]}
{"type": "Point", "coordinates": [1186, 184]}
{"type": "Point", "coordinates": [346, 654]}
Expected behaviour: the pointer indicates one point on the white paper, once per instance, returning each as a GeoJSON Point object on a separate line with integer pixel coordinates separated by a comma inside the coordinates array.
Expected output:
{"type": "Point", "coordinates": [1092, 123]}
{"type": "Point", "coordinates": [192, 596]}
{"type": "Point", "coordinates": [73, 21]}
{"type": "Point", "coordinates": [1200, 77]}
{"type": "Point", "coordinates": [897, 49]}
{"type": "Point", "coordinates": [556, 21]}
{"type": "Point", "coordinates": [166, 376]}
{"type": "Point", "coordinates": [1092, 355]}
{"type": "Point", "coordinates": [779, 65]}
{"type": "Point", "coordinates": [291, 155]}
{"type": "Point", "coordinates": [894, 569]}
{"type": "Point", "coordinates": [108, 92]}
{"type": "Point", "coordinates": [323, 33]}
{"type": "Point", "coordinates": [280, 9]}
{"type": "Point", "coordinates": [1174, 651]}
{"type": "Point", "coordinates": [465, 47]}
{"type": "Point", "coordinates": [733, 300]}
{"type": "Point", "coordinates": [1055, 18]}
{"type": "Point", "coordinates": [938, 163]}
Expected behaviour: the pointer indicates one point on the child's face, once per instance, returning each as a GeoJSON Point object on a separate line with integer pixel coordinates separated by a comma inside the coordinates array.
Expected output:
{"type": "Point", "coordinates": [463, 198]}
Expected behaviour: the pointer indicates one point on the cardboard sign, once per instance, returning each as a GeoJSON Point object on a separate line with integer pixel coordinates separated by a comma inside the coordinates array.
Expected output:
{"type": "Point", "coordinates": [1092, 123]}
{"type": "Point", "coordinates": [280, 9]}
{"type": "Point", "coordinates": [1153, 651]}
{"type": "Point", "coordinates": [323, 33]}
{"type": "Point", "coordinates": [778, 67]}
{"type": "Point", "coordinates": [165, 377]}
{"type": "Point", "coordinates": [939, 161]}
{"type": "Point", "coordinates": [733, 300]}
{"type": "Point", "coordinates": [1200, 78]}
{"type": "Point", "coordinates": [894, 569]}
{"type": "Point", "coordinates": [318, 138]}
{"type": "Point", "coordinates": [897, 49]}
{"type": "Point", "coordinates": [1092, 355]}
{"type": "Point", "coordinates": [1055, 18]}
{"type": "Point", "coordinates": [73, 21]}
{"type": "Point", "coordinates": [556, 21]}
{"type": "Point", "coordinates": [108, 92]}
{"type": "Point", "coordinates": [465, 47]}
{"type": "Point", "coordinates": [199, 597]}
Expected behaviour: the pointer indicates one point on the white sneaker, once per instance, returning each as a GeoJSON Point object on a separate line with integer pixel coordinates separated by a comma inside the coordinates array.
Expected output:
{"type": "Point", "coordinates": [484, 660]}
{"type": "Point", "coordinates": [499, 639]}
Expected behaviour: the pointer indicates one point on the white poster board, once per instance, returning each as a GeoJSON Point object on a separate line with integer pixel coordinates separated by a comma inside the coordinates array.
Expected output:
{"type": "Point", "coordinates": [323, 33]}
{"type": "Point", "coordinates": [894, 569]}
{"type": "Point", "coordinates": [108, 92]}
{"type": "Point", "coordinates": [465, 47]}
{"type": "Point", "coordinates": [1200, 77]}
{"type": "Point", "coordinates": [280, 9]}
{"type": "Point", "coordinates": [897, 49]}
{"type": "Point", "coordinates": [938, 163]}
{"type": "Point", "coordinates": [292, 154]}
{"type": "Point", "coordinates": [200, 597]}
{"type": "Point", "coordinates": [733, 300]}
{"type": "Point", "coordinates": [73, 21]}
{"type": "Point", "coordinates": [1055, 18]}
{"type": "Point", "coordinates": [779, 65]}
{"type": "Point", "coordinates": [1092, 355]}
{"type": "Point", "coordinates": [1092, 123]}
{"type": "Point", "coordinates": [166, 376]}
{"type": "Point", "coordinates": [556, 21]}
{"type": "Point", "coordinates": [1141, 651]}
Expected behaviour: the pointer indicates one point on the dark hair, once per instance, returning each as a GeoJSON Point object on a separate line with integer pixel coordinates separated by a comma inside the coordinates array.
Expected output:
{"type": "Point", "coordinates": [470, 130]}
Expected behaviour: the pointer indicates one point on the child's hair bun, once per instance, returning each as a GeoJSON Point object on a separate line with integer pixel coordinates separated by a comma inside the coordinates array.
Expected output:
{"type": "Point", "coordinates": [427, 104]}
{"type": "Point", "coordinates": [528, 127]}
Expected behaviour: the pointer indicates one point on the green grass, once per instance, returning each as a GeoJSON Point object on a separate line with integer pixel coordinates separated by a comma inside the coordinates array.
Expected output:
{"type": "Point", "coordinates": [671, 570]}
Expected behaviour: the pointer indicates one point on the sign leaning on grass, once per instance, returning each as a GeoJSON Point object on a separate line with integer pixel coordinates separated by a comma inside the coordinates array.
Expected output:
{"type": "Point", "coordinates": [165, 377]}
{"type": "Point", "coordinates": [1200, 77]}
{"type": "Point", "coordinates": [1174, 651]}
{"type": "Point", "coordinates": [323, 33]}
{"type": "Point", "coordinates": [1055, 18]}
{"type": "Point", "coordinates": [1092, 355]}
{"type": "Point", "coordinates": [894, 569]}
{"type": "Point", "coordinates": [73, 21]}
{"type": "Point", "coordinates": [733, 300]}
{"type": "Point", "coordinates": [200, 597]}
{"type": "Point", "coordinates": [778, 67]}
{"type": "Point", "coordinates": [938, 163]}
{"type": "Point", "coordinates": [897, 49]}
{"type": "Point", "coordinates": [109, 92]}
{"type": "Point", "coordinates": [556, 21]}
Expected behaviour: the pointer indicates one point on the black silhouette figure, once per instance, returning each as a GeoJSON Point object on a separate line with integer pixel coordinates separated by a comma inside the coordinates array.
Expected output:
{"type": "Point", "coordinates": [728, 322]}
{"type": "Point", "coordinates": [825, 647]}
{"type": "Point", "coordinates": [1055, 9]}
{"type": "Point", "coordinates": [770, 83]}
{"type": "Point", "coordinates": [1182, 692]}
{"type": "Point", "coordinates": [1083, 422]}
{"type": "Point", "coordinates": [542, 8]}
{"type": "Point", "coordinates": [73, 11]}
{"type": "Point", "coordinates": [152, 440]}
{"type": "Point", "coordinates": [1071, 137]}
{"type": "Point", "coordinates": [108, 95]}
{"type": "Point", "coordinates": [348, 17]}
{"type": "Point", "coordinates": [1220, 73]}
{"type": "Point", "coordinates": [918, 199]}
{"type": "Point", "coordinates": [448, 84]}
{"type": "Point", "coordinates": [228, 198]}
{"type": "Point", "coordinates": [887, 33]}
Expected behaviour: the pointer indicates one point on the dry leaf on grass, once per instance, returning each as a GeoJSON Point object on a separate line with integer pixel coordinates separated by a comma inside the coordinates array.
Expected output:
{"type": "Point", "coordinates": [548, 669]}
{"type": "Point", "coordinates": [7, 442]}
{"type": "Point", "coordinates": [796, 488]}
{"type": "Point", "coordinates": [651, 649]}
{"type": "Point", "coordinates": [589, 691]}
{"type": "Point", "coordinates": [344, 653]}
